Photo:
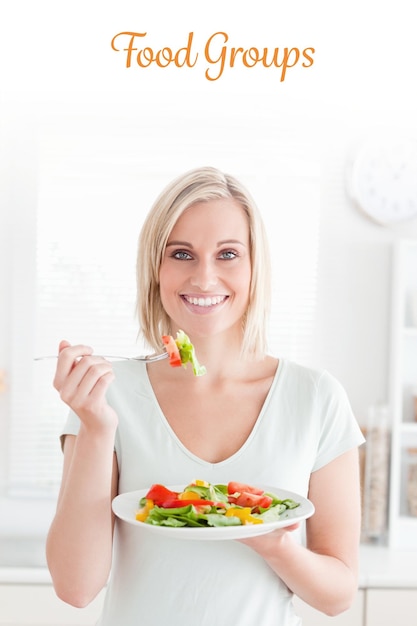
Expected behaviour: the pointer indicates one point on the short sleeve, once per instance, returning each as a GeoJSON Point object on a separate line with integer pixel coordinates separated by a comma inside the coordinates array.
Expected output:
{"type": "Point", "coordinates": [339, 429]}
{"type": "Point", "coordinates": [71, 427]}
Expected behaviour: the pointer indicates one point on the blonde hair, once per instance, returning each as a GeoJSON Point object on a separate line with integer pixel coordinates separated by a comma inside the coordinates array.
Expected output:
{"type": "Point", "coordinates": [200, 185]}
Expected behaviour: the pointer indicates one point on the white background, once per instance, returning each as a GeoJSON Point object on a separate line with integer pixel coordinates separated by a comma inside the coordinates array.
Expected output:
{"type": "Point", "coordinates": [56, 62]}
{"type": "Point", "coordinates": [59, 74]}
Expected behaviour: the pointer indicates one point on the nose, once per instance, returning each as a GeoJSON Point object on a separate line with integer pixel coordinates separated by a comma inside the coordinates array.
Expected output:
{"type": "Point", "coordinates": [204, 276]}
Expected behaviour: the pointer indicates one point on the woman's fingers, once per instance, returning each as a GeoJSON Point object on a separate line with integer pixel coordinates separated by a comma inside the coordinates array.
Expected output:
{"type": "Point", "coordinates": [257, 541]}
{"type": "Point", "coordinates": [63, 344]}
{"type": "Point", "coordinates": [82, 380]}
{"type": "Point", "coordinates": [88, 380]}
{"type": "Point", "coordinates": [67, 358]}
{"type": "Point", "coordinates": [78, 373]}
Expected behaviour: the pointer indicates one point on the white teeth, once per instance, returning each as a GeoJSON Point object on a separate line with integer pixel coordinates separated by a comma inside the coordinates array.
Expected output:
{"type": "Point", "coordinates": [205, 301]}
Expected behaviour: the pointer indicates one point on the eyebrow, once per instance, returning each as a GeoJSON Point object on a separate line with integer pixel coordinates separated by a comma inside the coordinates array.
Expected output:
{"type": "Point", "coordinates": [187, 244]}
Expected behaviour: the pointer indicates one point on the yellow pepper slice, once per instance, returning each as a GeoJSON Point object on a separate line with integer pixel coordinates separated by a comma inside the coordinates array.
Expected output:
{"type": "Point", "coordinates": [201, 483]}
{"type": "Point", "coordinates": [189, 495]}
{"type": "Point", "coordinates": [244, 514]}
{"type": "Point", "coordinates": [142, 514]}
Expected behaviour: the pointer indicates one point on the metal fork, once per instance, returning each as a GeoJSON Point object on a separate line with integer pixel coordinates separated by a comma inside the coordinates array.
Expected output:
{"type": "Point", "coordinates": [148, 358]}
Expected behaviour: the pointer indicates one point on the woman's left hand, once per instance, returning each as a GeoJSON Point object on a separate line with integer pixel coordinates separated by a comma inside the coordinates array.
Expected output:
{"type": "Point", "coordinates": [260, 543]}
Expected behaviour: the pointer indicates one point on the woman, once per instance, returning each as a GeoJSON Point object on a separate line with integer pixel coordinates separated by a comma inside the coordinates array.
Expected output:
{"type": "Point", "coordinates": [203, 267]}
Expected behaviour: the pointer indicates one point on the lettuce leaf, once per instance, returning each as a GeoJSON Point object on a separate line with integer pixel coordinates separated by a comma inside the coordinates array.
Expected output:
{"type": "Point", "coordinates": [215, 493]}
{"type": "Point", "coordinates": [187, 353]}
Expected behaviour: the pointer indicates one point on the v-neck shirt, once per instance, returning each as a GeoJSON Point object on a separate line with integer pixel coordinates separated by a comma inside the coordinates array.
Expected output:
{"type": "Point", "coordinates": [305, 422]}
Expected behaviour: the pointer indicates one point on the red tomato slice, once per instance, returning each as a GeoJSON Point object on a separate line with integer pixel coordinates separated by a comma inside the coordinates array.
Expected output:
{"type": "Point", "coordinates": [234, 487]}
{"type": "Point", "coordinates": [173, 351]}
{"type": "Point", "coordinates": [160, 494]}
{"type": "Point", "coordinates": [250, 499]}
{"type": "Point", "coordinates": [265, 502]}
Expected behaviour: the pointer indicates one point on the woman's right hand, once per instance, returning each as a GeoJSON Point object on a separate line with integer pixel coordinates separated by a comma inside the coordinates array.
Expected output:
{"type": "Point", "coordinates": [82, 381]}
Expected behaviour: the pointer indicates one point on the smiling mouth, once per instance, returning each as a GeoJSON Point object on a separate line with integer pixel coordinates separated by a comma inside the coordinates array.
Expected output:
{"type": "Point", "coordinates": [205, 302]}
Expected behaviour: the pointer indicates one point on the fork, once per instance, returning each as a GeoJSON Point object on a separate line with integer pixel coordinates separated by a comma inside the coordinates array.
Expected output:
{"type": "Point", "coordinates": [148, 358]}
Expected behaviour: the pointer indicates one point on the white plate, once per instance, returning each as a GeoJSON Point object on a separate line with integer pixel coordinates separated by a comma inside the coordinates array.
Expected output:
{"type": "Point", "coordinates": [125, 506]}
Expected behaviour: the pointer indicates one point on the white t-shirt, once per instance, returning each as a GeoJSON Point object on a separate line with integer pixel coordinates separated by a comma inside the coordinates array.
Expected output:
{"type": "Point", "coordinates": [305, 423]}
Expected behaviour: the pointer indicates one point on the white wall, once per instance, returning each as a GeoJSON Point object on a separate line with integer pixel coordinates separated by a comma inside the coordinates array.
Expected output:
{"type": "Point", "coordinates": [363, 77]}
{"type": "Point", "coordinates": [353, 338]}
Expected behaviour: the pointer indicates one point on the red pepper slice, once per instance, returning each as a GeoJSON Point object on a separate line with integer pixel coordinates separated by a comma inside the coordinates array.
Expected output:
{"type": "Point", "coordinates": [176, 503]}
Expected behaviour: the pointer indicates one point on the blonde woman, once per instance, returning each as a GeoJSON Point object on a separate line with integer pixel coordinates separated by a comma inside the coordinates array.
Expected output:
{"type": "Point", "coordinates": [203, 267]}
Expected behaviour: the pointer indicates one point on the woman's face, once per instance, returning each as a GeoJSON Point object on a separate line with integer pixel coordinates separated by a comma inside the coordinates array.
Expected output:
{"type": "Point", "coordinates": [206, 269]}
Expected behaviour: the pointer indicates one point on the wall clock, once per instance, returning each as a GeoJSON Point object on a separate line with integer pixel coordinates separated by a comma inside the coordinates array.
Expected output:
{"type": "Point", "coordinates": [382, 179]}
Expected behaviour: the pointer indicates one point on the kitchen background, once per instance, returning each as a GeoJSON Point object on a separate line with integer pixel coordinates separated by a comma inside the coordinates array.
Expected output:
{"type": "Point", "coordinates": [84, 151]}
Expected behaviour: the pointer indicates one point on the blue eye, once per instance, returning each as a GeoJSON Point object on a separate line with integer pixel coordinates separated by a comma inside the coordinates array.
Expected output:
{"type": "Point", "coordinates": [182, 255]}
{"type": "Point", "coordinates": [228, 254]}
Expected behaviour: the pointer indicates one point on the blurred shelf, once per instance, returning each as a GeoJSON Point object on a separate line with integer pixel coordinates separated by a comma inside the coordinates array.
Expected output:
{"type": "Point", "coordinates": [402, 531]}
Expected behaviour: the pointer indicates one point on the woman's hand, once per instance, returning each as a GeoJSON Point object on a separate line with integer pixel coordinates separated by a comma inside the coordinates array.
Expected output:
{"type": "Point", "coordinates": [82, 381]}
{"type": "Point", "coordinates": [262, 543]}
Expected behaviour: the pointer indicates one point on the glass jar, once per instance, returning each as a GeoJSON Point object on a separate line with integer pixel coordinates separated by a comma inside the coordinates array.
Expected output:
{"type": "Point", "coordinates": [376, 475]}
{"type": "Point", "coordinates": [414, 403]}
{"type": "Point", "coordinates": [412, 482]}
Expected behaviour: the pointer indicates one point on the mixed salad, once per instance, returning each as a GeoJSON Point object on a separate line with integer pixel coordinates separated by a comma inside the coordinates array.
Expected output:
{"type": "Point", "coordinates": [203, 504]}
{"type": "Point", "coordinates": [181, 351]}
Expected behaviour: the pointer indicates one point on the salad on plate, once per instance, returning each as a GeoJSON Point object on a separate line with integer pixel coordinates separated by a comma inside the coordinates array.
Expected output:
{"type": "Point", "coordinates": [201, 504]}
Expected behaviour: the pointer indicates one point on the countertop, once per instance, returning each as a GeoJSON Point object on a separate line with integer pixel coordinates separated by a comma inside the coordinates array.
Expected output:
{"type": "Point", "coordinates": [380, 567]}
